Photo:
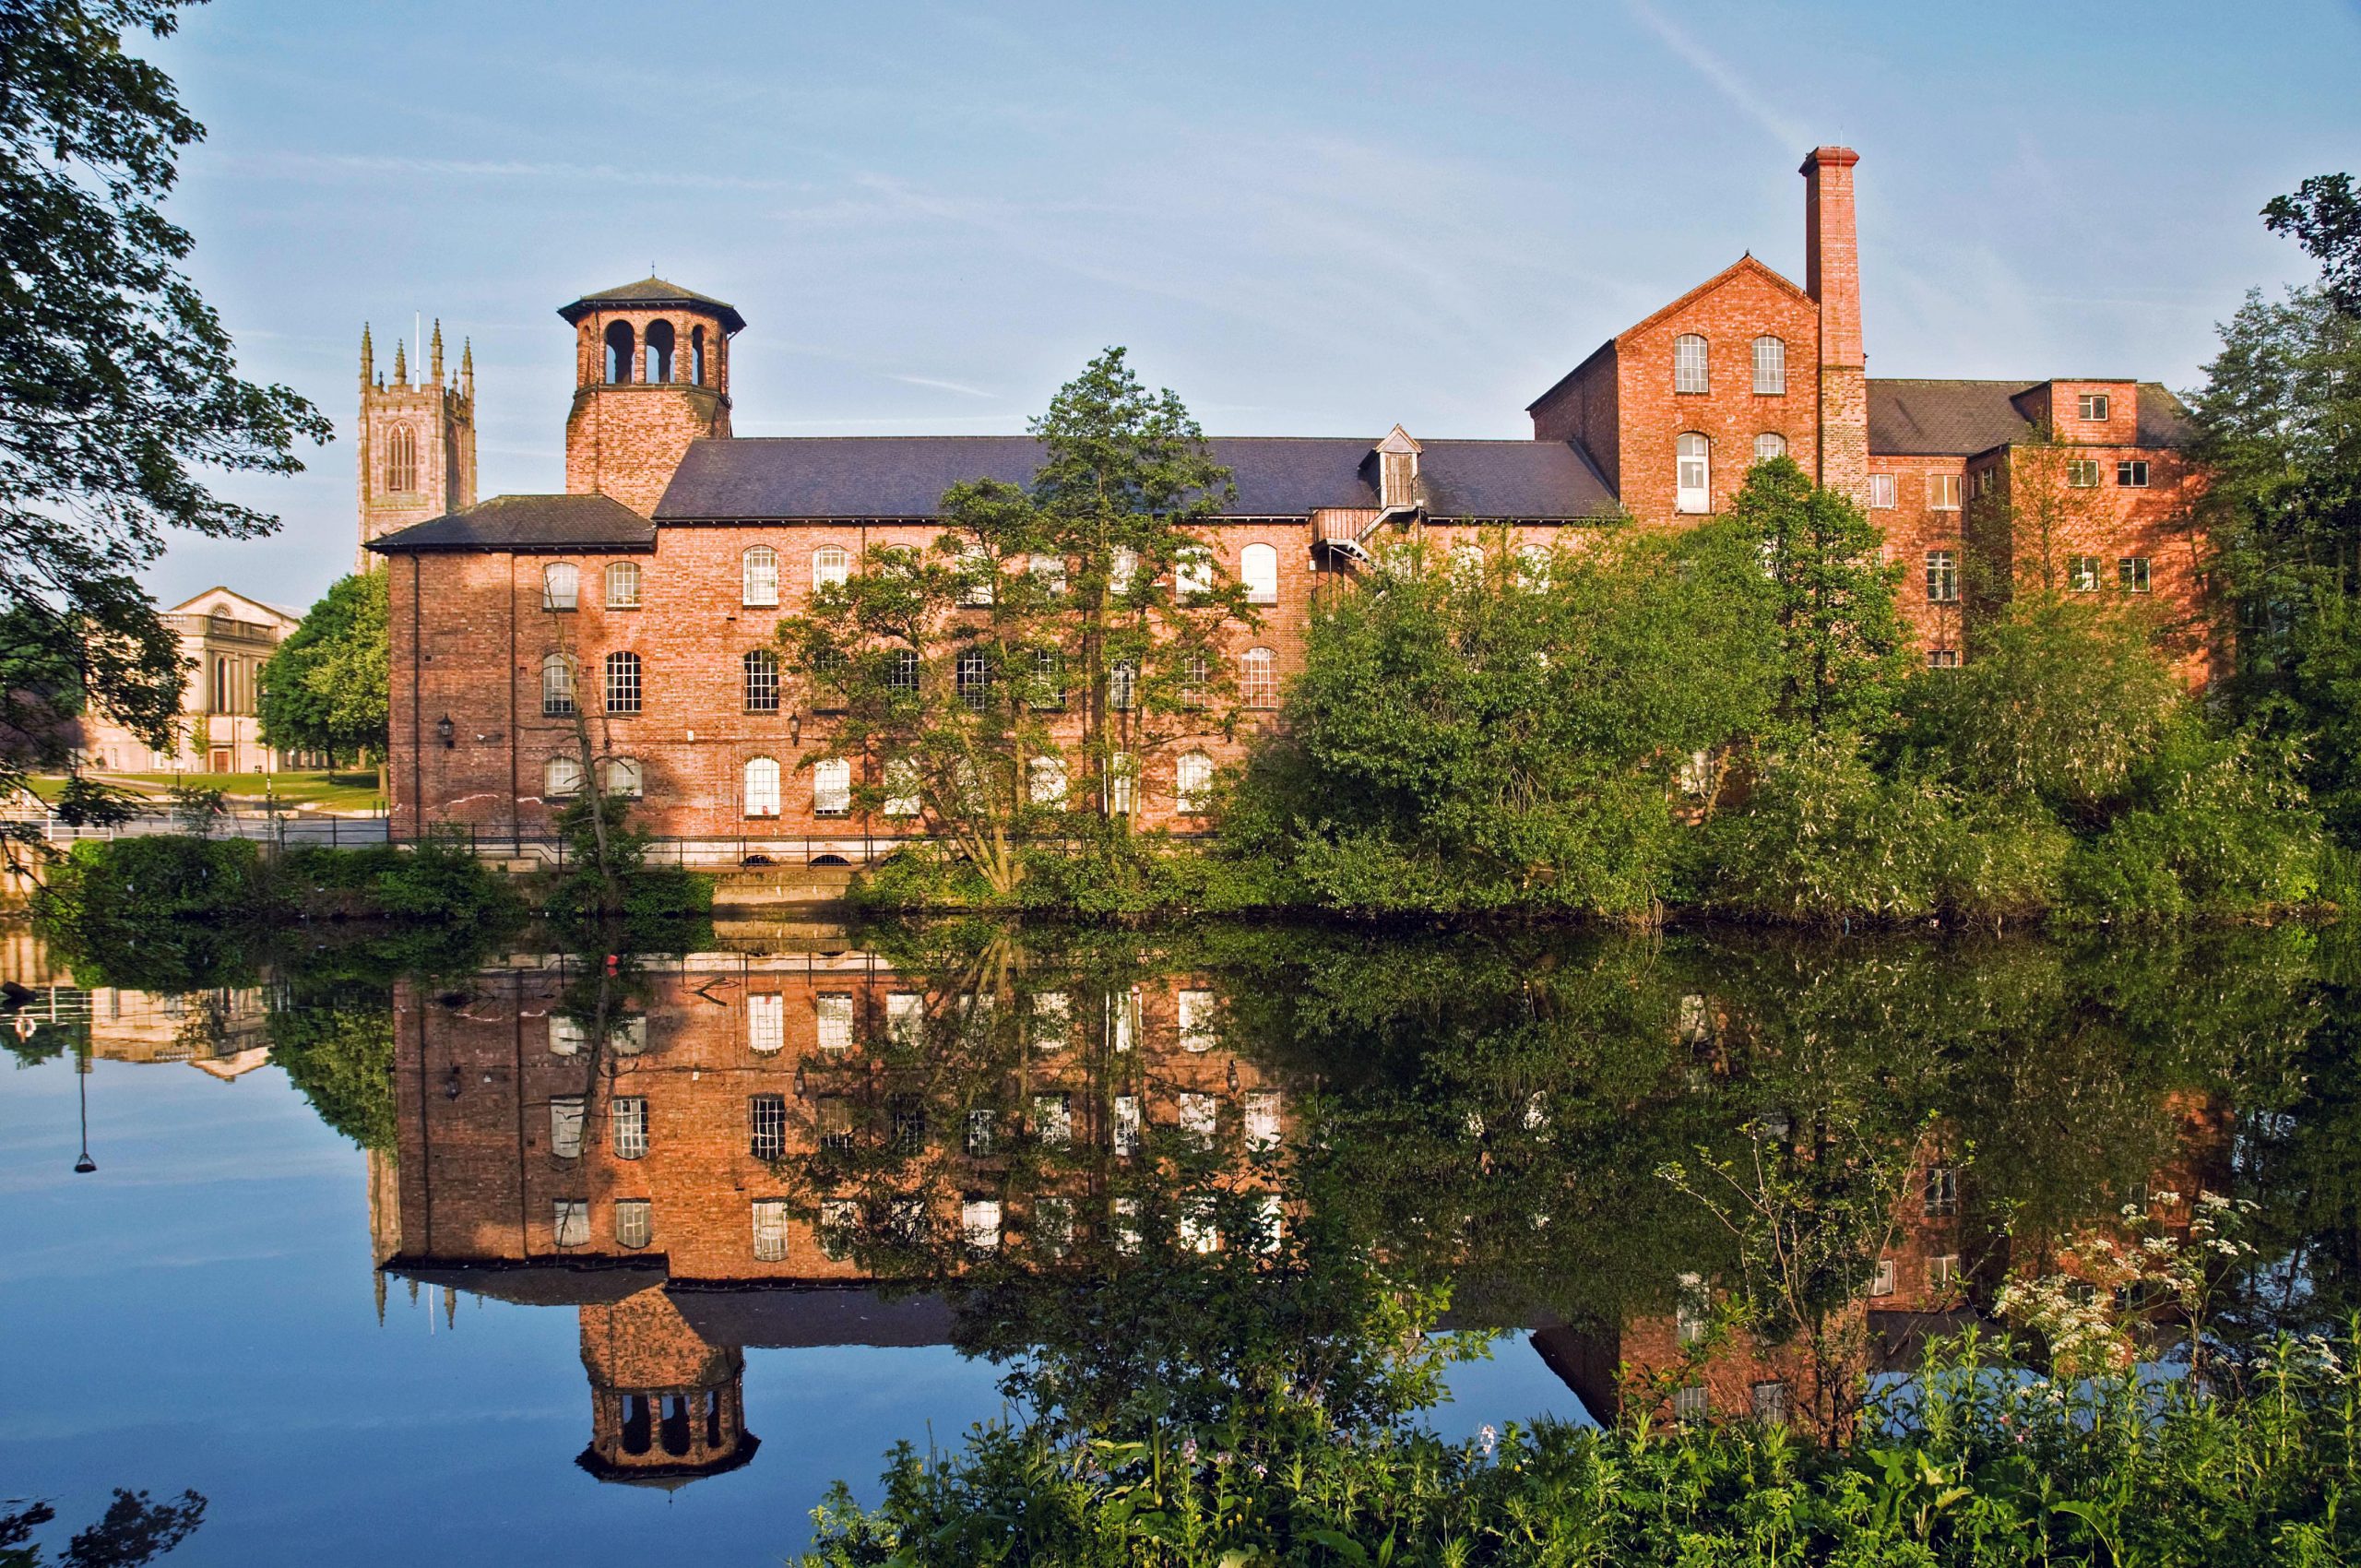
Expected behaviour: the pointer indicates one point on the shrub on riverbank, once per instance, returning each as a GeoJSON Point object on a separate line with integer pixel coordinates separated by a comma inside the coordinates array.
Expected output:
{"type": "Point", "coordinates": [1977, 1464]}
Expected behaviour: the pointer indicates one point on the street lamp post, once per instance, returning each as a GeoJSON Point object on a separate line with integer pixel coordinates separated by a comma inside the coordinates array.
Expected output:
{"type": "Point", "coordinates": [84, 1165]}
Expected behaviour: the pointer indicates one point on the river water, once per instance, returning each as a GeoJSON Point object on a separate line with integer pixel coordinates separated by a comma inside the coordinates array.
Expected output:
{"type": "Point", "coordinates": [539, 1257]}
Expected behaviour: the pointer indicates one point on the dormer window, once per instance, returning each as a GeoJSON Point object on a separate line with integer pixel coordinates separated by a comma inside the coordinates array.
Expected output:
{"type": "Point", "coordinates": [2091, 406]}
{"type": "Point", "coordinates": [1397, 471]}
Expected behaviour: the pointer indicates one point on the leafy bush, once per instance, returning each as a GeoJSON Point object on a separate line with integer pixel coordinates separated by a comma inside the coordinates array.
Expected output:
{"type": "Point", "coordinates": [166, 913]}
{"type": "Point", "coordinates": [1823, 837]}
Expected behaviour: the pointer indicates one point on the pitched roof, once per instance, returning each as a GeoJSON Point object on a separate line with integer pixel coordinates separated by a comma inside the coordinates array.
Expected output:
{"type": "Point", "coordinates": [526, 523]}
{"type": "Point", "coordinates": [652, 292]}
{"type": "Point", "coordinates": [1936, 418]}
{"type": "Point", "coordinates": [725, 479]}
{"type": "Point", "coordinates": [1747, 263]}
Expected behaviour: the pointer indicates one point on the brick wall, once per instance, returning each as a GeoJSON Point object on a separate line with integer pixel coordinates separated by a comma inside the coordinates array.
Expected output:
{"type": "Point", "coordinates": [624, 439]}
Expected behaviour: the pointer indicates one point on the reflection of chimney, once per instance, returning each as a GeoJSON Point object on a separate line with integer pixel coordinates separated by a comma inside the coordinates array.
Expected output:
{"type": "Point", "coordinates": [1832, 278]}
{"type": "Point", "coordinates": [385, 1206]}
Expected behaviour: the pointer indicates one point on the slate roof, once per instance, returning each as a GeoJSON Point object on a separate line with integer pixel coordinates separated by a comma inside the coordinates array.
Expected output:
{"type": "Point", "coordinates": [526, 523]}
{"type": "Point", "coordinates": [905, 476]}
{"type": "Point", "coordinates": [652, 294]}
{"type": "Point", "coordinates": [1930, 417]}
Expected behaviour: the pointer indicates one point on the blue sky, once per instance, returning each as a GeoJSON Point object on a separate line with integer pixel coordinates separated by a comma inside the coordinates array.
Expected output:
{"type": "Point", "coordinates": [1307, 219]}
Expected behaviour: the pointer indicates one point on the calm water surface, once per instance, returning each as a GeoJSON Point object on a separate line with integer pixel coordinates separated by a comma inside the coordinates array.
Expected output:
{"type": "Point", "coordinates": [876, 1181]}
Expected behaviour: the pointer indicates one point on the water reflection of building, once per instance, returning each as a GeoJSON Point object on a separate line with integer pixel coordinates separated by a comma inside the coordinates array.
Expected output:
{"type": "Point", "coordinates": [223, 1031]}
{"type": "Point", "coordinates": [707, 1177]}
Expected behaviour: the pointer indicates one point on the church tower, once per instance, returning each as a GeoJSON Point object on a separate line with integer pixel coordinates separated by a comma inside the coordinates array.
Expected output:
{"type": "Point", "coordinates": [651, 374]}
{"type": "Point", "coordinates": [417, 442]}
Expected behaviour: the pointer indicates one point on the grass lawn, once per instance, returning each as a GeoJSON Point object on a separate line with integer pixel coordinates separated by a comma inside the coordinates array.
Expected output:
{"type": "Point", "coordinates": [338, 790]}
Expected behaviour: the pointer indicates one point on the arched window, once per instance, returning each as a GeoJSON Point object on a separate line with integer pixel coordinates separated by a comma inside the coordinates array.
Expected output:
{"type": "Point", "coordinates": [622, 682]}
{"type": "Point", "coordinates": [561, 586]}
{"type": "Point", "coordinates": [622, 584]}
{"type": "Point", "coordinates": [1688, 363]}
{"type": "Point", "coordinates": [557, 686]}
{"type": "Point", "coordinates": [1258, 568]}
{"type": "Point", "coordinates": [561, 779]}
{"type": "Point", "coordinates": [659, 352]}
{"type": "Point", "coordinates": [1693, 480]}
{"type": "Point", "coordinates": [830, 565]}
{"type": "Point", "coordinates": [696, 355]}
{"type": "Point", "coordinates": [622, 775]}
{"type": "Point", "coordinates": [401, 459]}
{"type": "Point", "coordinates": [762, 787]}
{"type": "Point", "coordinates": [1258, 678]}
{"type": "Point", "coordinates": [1770, 364]}
{"type": "Point", "coordinates": [903, 792]}
{"type": "Point", "coordinates": [832, 786]}
{"type": "Point", "coordinates": [761, 680]}
{"type": "Point", "coordinates": [1192, 782]}
{"type": "Point", "coordinates": [619, 352]}
{"type": "Point", "coordinates": [1193, 574]}
{"type": "Point", "coordinates": [1533, 563]}
{"type": "Point", "coordinates": [1770, 445]}
{"type": "Point", "coordinates": [758, 568]}
{"type": "Point", "coordinates": [1046, 777]}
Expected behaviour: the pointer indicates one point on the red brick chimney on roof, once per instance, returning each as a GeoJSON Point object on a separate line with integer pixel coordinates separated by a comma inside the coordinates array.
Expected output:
{"type": "Point", "coordinates": [1832, 277]}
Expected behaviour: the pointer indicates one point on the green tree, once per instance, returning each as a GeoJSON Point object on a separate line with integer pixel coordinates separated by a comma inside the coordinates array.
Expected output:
{"type": "Point", "coordinates": [1501, 728]}
{"type": "Point", "coordinates": [326, 687]}
{"type": "Point", "coordinates": [2324, 216]}
{"type": "Point", "coordinates": [1841, 652]}
{"type": "Point", "coordinates": [117, 383]}
{"type": "Point", "coordinates": [1087, 607]}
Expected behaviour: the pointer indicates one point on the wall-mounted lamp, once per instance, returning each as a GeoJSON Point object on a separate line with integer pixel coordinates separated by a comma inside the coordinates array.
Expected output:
{"type": "Point", "coordinates": [445, 732]}
{"type": "Point", "coordinates": [451, 1083]}
{"type": "Point", "coordinates": [795, 727]}
{"type": "Point", "coordinates": [1233, 1075]}
{"type": "Point", "coordinates": [802, 1089]}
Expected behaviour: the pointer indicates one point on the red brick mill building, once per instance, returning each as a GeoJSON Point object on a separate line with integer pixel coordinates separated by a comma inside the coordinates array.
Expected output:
{"type": "Point", "coordinates": [664, 567]}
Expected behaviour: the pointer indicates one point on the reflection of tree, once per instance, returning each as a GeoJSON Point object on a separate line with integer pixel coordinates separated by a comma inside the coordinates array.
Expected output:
{"type": "Point", "coordinates": [133, 1531]}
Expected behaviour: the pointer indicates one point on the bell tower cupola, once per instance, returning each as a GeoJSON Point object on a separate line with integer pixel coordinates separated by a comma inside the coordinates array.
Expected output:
{"type": "Point", "coordinates": [651, 374]}
{"type": "Point", "coordinates": [666, 1406]}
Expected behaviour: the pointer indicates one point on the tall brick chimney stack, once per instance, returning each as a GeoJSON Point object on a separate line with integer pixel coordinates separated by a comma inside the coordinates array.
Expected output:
{"type": "Point", "coordinates": [1832, 277]}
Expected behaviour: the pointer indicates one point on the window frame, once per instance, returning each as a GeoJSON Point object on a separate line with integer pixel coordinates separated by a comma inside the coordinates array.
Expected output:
{"type": "Point", "coordinates": [1882, 492]}
{"type": "Point", "coordinates": [1692, 500]}
{"type": "Point", "coordinates": [831, 566]}
{"type": "Point", "coordinates": [1770, 366]}
{"type": "Point", "coordinates": [1777, 446]}
{"type": "Point", "coordinates": [2081, 473]}
{"type": "Point", "coordinates": [557, 600]}
{"type": "Point", "coordinates": [752, 796]}
{"type": "Point", "coordinates": [758, 577]}
{"type": "Point", "coordinates": [624, 572]}
{"type": "Point", "coordinates": [2134, 574]}
{"type": "Point", "coordinates": [1943, 577]}
{"type": "Point", "coordinates": [1691, 365]}
{"type": "Point", "coordinates": [2131, 473]}
{"type": "Point", "coordinates": [2094, 408]}
{"type": "Point", "coordinates": [626, 683]}
{"type": "Point", "coordinates": [627, 1122]}
{"type": "Point", "coordinates": [559, 698]}
{"type": "Point", "coordinates": [1943, 491]}
{"type": "Point", "coordinates": [832, 786]}
{"type": "Point", "coordinates": [758, 681]}
{"type": "Point", "coordinates": [1192, 781]}
{"type": "Point", "coordinates": [1262, 586]}
{"type": "Point", "coordinates": [1258, 679]}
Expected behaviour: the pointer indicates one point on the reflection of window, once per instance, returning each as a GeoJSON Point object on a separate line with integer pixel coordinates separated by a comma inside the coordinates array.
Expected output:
{"type": "Point", "coordinates": [1053, 1224]}
{"type": "Point", "coordinates": [1193, 1228]}
{"type": "Point", "coordinates": [568, 1036]}
{"type": "Point", "coordinates": [1943, 1190]}
{"type": "Point", "coordinates": [1200, 1116]}
{"type": "Point", "coordinates": [770, 1229]}
{"type": "Point", "coordinates": [1262, 1120]}
{"type": "Point", "coordinates": [766, 1120]}
{"type": "Point", "coordinates": [1122, 1019]}
{"type": "Point", "coordinates": [839, 1220]}
{"type": "Point", "coordinates": [630, 1118]}
{"type": "Point", "coordinates": [1123, 1216]}
{"type": "Point", "coordinates": [1943, 1272]}
{"type": "Point", "coordinates": [980, 1224]}
{"type": "Point", "coordinates": [1193, 574]}
{"type": "Point", "coordinates": [1881, 1281]}
{"type": "Point", "coordinates": [1051, 1017]}
{"type": "Point", "coordinates": [758, 575]}
{"type": "Point", "coordinates": [565, 1126]}
{"type": "Point", "coordinates": [908, 1115]}
{"type": "Point", "coordinates": [1048, 781]}
{"type": "Point", "coordinates": [1122, 570]}
{"type": "Point", "coordinates": [1197, 1020]}
{"type": "Point", "coordinates": [977, 576]}
{"type": "Point", "coordinates": [1053, 1120]}
{"type": "Point", "coordinates": [835, 1118]}
{"type": "Point", "coordinates": [1771, 1403]}
{"type": "Point", "coordinates": [1689, 1308]}
{"type": "Point", "coordinates": [634, 1222]}
{"type": "Point", "coordinates": [1691, 1405]}
{"type": "Point", "coordinates": [629, 1037]}
{"type": "Point", "coordinates": [905, 1017]}
{"type": "Point", "coordinates": [571, 1222]}
{"type": "Point", "coordinates": [981, 1141]}
{"type": "Point", "coordinates": [765, 1022]}
{"type": "Point", "coordinates": [834, 1021]}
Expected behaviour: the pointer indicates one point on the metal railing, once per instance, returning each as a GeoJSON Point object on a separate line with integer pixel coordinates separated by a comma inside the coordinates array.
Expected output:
{"type": "Point", "coordinates": [278, 829]}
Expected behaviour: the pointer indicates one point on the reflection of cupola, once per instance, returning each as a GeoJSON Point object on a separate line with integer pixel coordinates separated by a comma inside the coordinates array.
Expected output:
{"type": "Point", "coordinates": [651, 374]}
{"type": "Point", "coordinates": [665, 1406]}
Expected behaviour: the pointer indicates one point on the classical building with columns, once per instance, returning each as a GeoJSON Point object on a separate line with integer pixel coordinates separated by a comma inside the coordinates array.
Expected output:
{"type": "Point", "coordinates": [663, 569]}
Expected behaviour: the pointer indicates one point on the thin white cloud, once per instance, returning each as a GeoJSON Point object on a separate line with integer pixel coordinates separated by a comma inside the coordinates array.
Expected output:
{"type": "Point", "coordinates": [928, 381]}
{"type": "Point", "coordinates": [1725, 80]}
{"type": "Point", "coordinates": [339, 164]}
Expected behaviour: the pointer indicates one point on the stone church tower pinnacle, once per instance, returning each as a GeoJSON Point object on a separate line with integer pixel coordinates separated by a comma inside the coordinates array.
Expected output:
{"type": "Point", "coordinates": [416, 441]}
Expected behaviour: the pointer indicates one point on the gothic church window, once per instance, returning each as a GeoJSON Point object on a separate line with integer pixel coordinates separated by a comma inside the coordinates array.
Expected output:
{"type": "Point", "coordinates": [1688, 363]}
{"type": "Point", "coordinates": [401, 459]}
{"type": "Point", "coordinates": [1693, 477]}
{"type": "Point", "coordinates": [619, 352]}
{"type": "Point", "coordinates": [659, 352]}
{"type": "Point", "coordinates": [1770, 366]}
